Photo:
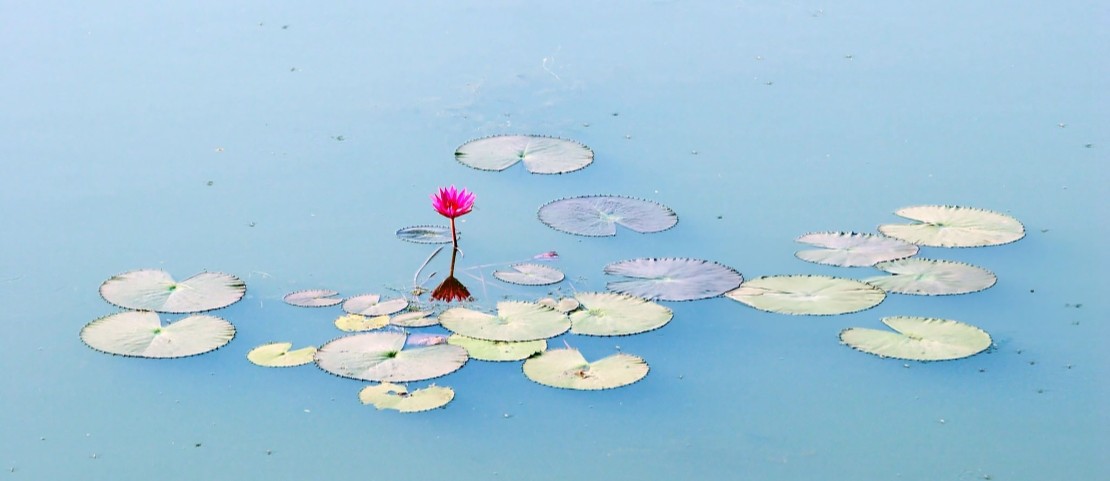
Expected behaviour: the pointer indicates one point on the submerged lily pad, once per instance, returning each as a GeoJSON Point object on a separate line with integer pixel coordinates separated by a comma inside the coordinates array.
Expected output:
{"type": "Point", "coordinates": [372, 305]}
{"type": "Point", "coordinates": [541, 155]}
{"type": "Point", "coordinates": [312, 298]}
{"type": "Point", "coordinates": [515, 321]}
{"type": "Point", "coordinates": [484, 350]}
{"type": "Point", "coordinates": [155, 290]}
{"type": "Point", "coordinates": [414, 319]}
{"type": "Point", "coordinates": [611, 314]}
{"type": "Point", "coordinates": [382, 356]}
{"type": "Point", "coordinates": [568, 369]}
{"type": "Point", "coordinates": [808, 295]}
{"type": "Point", "coordinates": [359, 322]}
{"type": "Point", "coordinates": [530, 275]}
{"type": "Point", "coordinates": [952, 226]}
{"type": "Point", "coordinates": [929, 277]}
{"type": "Point", "coordinates": [397, 397]}
{"type": "Point", "coordinates": [277, 354]}
{"type": "Point", "coordinates": [673, 279]}
{"type": "Point", "coordinates": [850, 249]}
{"type": "Point", "coordinates": [426, 234]}
{"type": "Point", "coordinates": [142, 334]}
{"type": "Point", "coordinates": [919, 339]}
{"type": "Point", "coordinates": [599, 215]}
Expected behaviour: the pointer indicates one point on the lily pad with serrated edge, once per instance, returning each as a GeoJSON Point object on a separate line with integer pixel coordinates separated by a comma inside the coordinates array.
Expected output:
{"type": "Point", "coordinates": [568, 369]}
{"type": "Point", "coordinates": [497, 351]}
{"type": "Point", "coordinates": [530, 275]}
{"type": "Point", "coordinates": [564, 305]}
{"type": "Point", "coordinates": [611, 314]}
{"type": "Point", "coordinates": [359, 322]}
{"type": "Point", "coordinates": [952, 226]}
{"type": "Point", "coordinates": [382, 356]}
{"type": "Point", "coordinates": [426, 234]}
{"type": "Point", "coordinates": [373, 305]}
{"type": "Point", "coordinates": [919, 339]}
{"type": "Point", "coordinates": [541, 155]}
{"type": "Point", "coordinates": [808, 295]}
{"type": "Point", "coordinates": [142, 334]}
{"type": "Point", "coordinates": [414, 319]}
{"type": "Point", "coordinates": [155, 290]}
{"type": "Point", "coordinates": [851, 249]}
{"type": "Point", "coordinates": [277, 354]}
{"type": "Point", "coordinates": [312, 298]}
{"type": "Point", "coordinates": [398, 398]}
{"type": "Point", "coordinates": [673, 279]}
{"type": "Point", "coordinates": [514, 321]}
{"type": "Point", "coordinates": [928, 277]}
{"type": "Point", "coordinates": [599, 215]}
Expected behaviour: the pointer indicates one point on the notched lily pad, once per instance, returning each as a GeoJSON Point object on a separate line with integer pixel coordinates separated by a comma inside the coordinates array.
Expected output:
{"type": "Point", "coordinates": [382, 356]}
{"type": "Point", "coordinates": [484, 350]}
{"type": "Point", "coordinates": [414, 319]}
{"type": "Point", "coordinates": [850, 249]}
{"type": "Point", "coordinates": [373, 305]}
{"type": "Point", "coordinates": [564, 305]}
{"type": "Point", "coordinates": [928, 277]}
{"type": "Point", "coordinates": [673, 279]}
{"type": "Point", "coordinates": [398, 398]}
{"type": "Point", "coordinates": [611, 314]}
{"type": "Point", "coordinates": [142, 334]}
{"type": "Point", "coordinates": [541, 155]}
{"type": "Point", "coordinates": [919, 339]}
{"type": "Point", "coordinates": [426, 234]}
{"type": "Point", "coordinates": [514, 321]}
{"type": "Point", "coordinates": [155, 290]}
{"type": "Point", "coordinates": [568, 369]}
{"type": "Point", "coordinates": [277, 354]}
{"type": "Point", "coordinates": [359, 322]}
{"type": "Point", "coordinates": [529, 274]}
{"type": "Point", "coordinates": [807, 295]}
{"type": "Point", "coordinates": [312, 298]}
{"type": "Point", "coordinates": [952, 226]}
{"type": "Point", "coordinates": [599, 215]}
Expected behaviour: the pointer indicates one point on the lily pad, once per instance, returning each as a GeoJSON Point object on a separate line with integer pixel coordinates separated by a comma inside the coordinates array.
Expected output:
{"type": "Point", "coordinates": [359, 322]}
{"type": "Point", "coordinates": [808, 295]}
{"type": "Point", "coordinates": [155, 290]}
{"type": "Point", "coordinates": [372, 305]}
{"type": "Point", "coordinates": [952, 226]}
{"type": "Point", "coordinates": [850, 249]}
{"type": "Point", "coordinates": [929, 277]}
{"type": "Point", "coordinates": [919, 339]}
{"type": "Point", "coordinates": [142, 334]}
{"type": "Point", "coordinates": [312, 298]}
{"type": "Point", "coordinates": [599, 215]}
{"type": "Point", "coordinates": [564, 305]}
{"type": "Point", "coordinates": [382, 356]}
{"type": "Point", "coordinates": [673, 279]}
{"type": "Point", "coordinates": [611, 314]}
{"type": "Point", "coordinates": [530, 275]}
{"type": "Point", "coordinates": [515, 321]}
{"type": "Point", "coordinates": [568, 369]}
{"type": "Point", "coordinates": [414, 319]}
{"type": "Point", "coordinates": [426, 234]}
{"type": "Point", "coordinates": [484, 350]}
{"type": "Point", "coordinates": [277, 354]}
{"type": "Point", "coordinates": [398, 398]}
{"type": "Point", "coordinates": [541, 155]}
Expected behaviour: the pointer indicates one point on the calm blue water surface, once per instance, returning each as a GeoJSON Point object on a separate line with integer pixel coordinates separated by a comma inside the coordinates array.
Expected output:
{"type": "Point", "coordinates": [285, 143]}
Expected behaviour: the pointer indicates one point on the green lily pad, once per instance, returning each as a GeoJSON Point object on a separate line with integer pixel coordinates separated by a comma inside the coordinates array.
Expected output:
{"type": "Point", "coordinates": [142, 334]}
{"type": "Point", "coordinates": [807, 295]}
{"type": "Point", "coordinates": [929, 277]}
{"type": "Point", "coordinates": [484, 350]}
{"type": "Point", "coordinates": [611, 314]}
{"type": "Point", "coordinates": [530, 275]}
{"type": "Point", "coordinates": [919, 339]}
{"type": "Point", "coordinates": [541, 155]}
{"type": "Point", "coordinates": [568, 369]}
{"type": "Point", "coordinates": [850, 249]}
{"type": "Point", "coordinates": [312, 298]}
{"type": "Point", "coordinates": [398, 398]}
{"type": "Point", "coordinates": [360, 323]}
{"type": "Point", "coordinates": [599, 215]}
{"type": "Point", "coordinates": [155, 290]}
{"type": "Point", "coordinates": [277, 354]}
{"type": "Point", "coordinates": [372, 305]}
{"type": "Point", "coordinates": [382, 356]}
{"type": "Point", "coordinates": [515, 321]}
{"type": "Point", "coordinates": [672, 279]}
{"type": "Point", "coordinates": [952, 226]}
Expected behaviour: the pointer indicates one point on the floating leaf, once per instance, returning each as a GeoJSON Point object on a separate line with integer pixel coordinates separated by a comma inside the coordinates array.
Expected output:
{"type": "Point", "coordinates": [515, 321]}
{"type": "Point", "coordinates": [951, 226]}
{"type": "Point", "coordinates": [673, 279]}
{"type": "Point", "coordinates": [397, 397]}
{"type": "Point", "coordinates": [610, 314]}
{"type": "Point", "coordinates": [425, 339]}
{"type": "Point", "coordinates": [142, 334]}
{"type": "Point", "coordinates": [530, 275]}
{"type": "Point", "coordinates": [414, 319]}
{"type": "Point", "coordinates": [484, 350]}
{"type": "Point", "coordinates": [359, 322]}
{"type": "Point", "coordinates": [155, 290]}
{"type": "Point", "coordinates": [312, 298]}
{"type": "Point", "coordinates": [850, 249]}
{"type": "Point", "coordinates": [919, 339]}
{"type": "Point", "coordinates": [426, 234]}
{"type": "Point", "coordinates": [541, 155]}
{"type": "Point", "coordinates": [599, 215]}
{"type": "Point", "coordinates": [563, 305]}
{"type": "Point", "coordinates": [929, 277]}
{"type": "Point", "coordinates": [372, 305]}
{"type": "Point", "coordinates": [808, 295]}
{"type": "Point", "coordinates": [567, 369]}
{"type": "Point", "coordinates": [382, 356]}
{"type": "Point", "coordinates": [277, 354]}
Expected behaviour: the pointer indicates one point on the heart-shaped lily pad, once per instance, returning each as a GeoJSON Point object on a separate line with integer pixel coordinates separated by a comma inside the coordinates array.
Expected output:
{"type": "Point", "coordinates": [382, 356]}
{"type": "Point", "coordinates": [414, 319]}
{"type": "Point", "coordinates": [528, 274]}
{"type": "Point", "coordinates": [541, 155]}
{"type": "Point", "coordinates": [484, 350]}
{"type": "Point", "coordinates": [611, 314]}
{"type": "Point", "coordinates": [398, 398]}
{"type": "Point", "coordinates": [514, 321]}
{"type": "Point", "coordinates": [155, 290]}
{"type": "Point", "coordinates": [277, 354]}
{"type": "Point", "coordinates": [373, 305]}
{"type": "Point", "coordinates": [928, 277]}
{"type": "Point", "coordinates": [807, 295]}
{"type": "Point", "coordinates": [312, 298]}
{"type": "Point", "coordinates": [850, 249]}
{"type": "Point", "coordinates": [952, 226]}
{"type": "Point", "coordinates": [599, 215]}
{"type": "Point", "coordinates": [919, 339]}
{"type": "Point", "coordinates": [568, 369]}
{"type": "Point", "coordinates": [142, 334]}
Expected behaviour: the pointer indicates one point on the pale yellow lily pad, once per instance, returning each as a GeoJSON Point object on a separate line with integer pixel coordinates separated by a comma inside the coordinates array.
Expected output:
{"type": "Point", "coordinates": [398, 398]}
{"type": "Point", "coordinates": [807, 295]}
{"type": "Point", "coordinates": [568, 369]}
{"type": "Point", "coordinates": [359, 323]}
{"type": "Point", "coordinates": [277, 354]}
{"type": "Point", "coordinates": [484, 350]}
{"type": "Point", "coordinates": [919, 339]}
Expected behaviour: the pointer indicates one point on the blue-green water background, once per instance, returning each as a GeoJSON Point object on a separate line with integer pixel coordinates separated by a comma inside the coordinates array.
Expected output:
{"type": "Point", "coordinates": [804, 116]}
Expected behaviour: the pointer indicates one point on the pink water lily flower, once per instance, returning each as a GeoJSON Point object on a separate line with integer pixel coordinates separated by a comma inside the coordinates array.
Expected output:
{"type": "Point", "coordinates": [452, 203]}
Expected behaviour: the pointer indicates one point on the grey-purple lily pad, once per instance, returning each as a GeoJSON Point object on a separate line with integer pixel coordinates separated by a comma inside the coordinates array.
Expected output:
{"type": "Point", "coordinates": [541, 155]}
{"type": "Point", "coordinates": [312, 298]}
{"type": "Point", "coordinates": [599, 215]}
{"type": "Point", "coordinates": [850, 249]}
{"type": "Point", "coordinates": [426, 234]}
{"type": "Point", "coordinates": [382, 356]}
{"type": "Point", "coordinates": [414, 319]}
{"type": "Point", "coordinates": [928, 277]}
{"type": "Point", "coordinates": [155, 290]}
{"type": "Point", "coordinates": [673, 279]}
{"type": "Point", "coordinates": [142, 334]}
{"type": "Point", "coordinates": [373, 305]}
{"type": "Point", "coordinates": [529, 274]}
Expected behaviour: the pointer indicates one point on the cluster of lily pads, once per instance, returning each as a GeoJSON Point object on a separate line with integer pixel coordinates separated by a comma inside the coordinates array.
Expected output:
{"type": "Point", "coordinates": [384, 346]}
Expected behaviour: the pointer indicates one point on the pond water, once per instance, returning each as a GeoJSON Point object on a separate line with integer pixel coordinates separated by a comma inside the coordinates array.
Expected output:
{"type": "Point", "coordinates": [287, 143]}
